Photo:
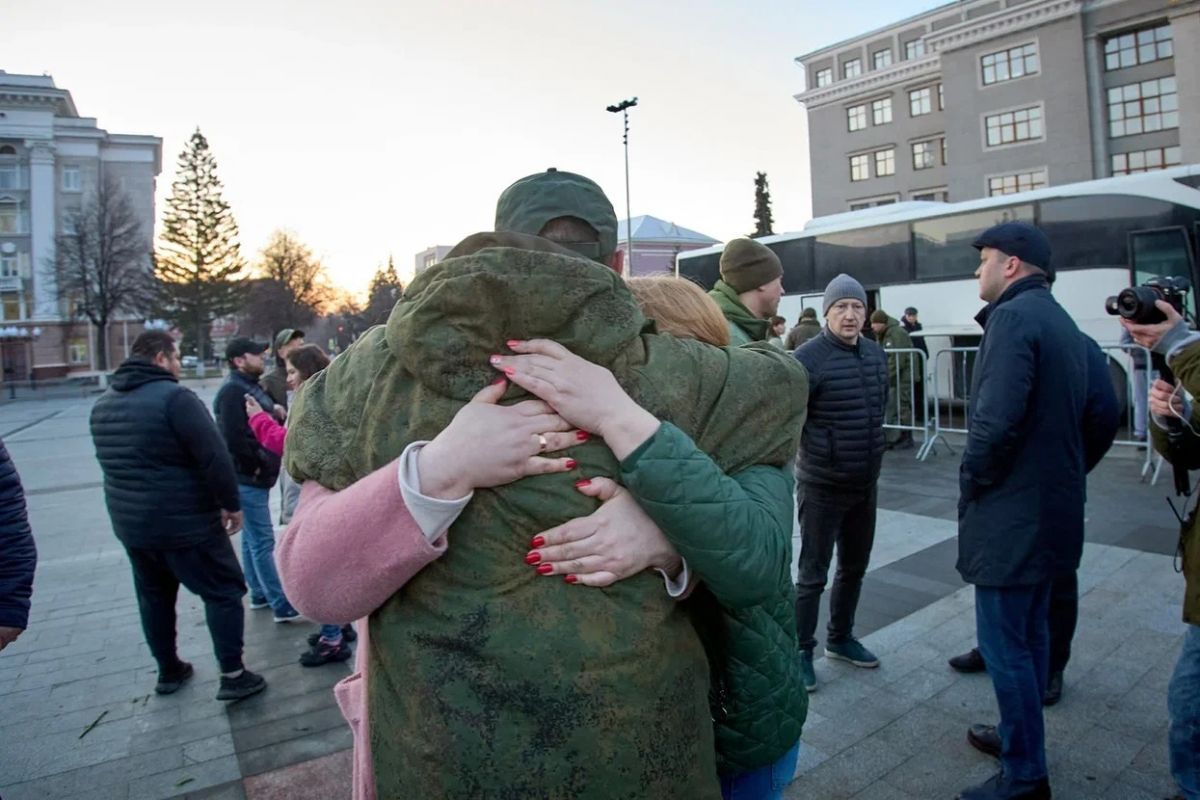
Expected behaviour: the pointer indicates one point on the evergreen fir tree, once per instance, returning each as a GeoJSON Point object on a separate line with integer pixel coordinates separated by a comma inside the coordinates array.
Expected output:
{"type": "Point", "coordinates": [763, 223]}
{"type": "Point", "coordinates": [384, 291]}
{"type": "Point", "coordinates": [198, 263]}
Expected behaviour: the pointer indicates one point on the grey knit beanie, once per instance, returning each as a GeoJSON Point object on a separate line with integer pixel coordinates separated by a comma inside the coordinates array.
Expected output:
{"type": "Point", "coordinates": [840, 288]}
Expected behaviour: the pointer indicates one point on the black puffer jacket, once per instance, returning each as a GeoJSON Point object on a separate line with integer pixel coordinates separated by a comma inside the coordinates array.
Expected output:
{"type": "Point", "coordinates": [18, 555]}
{"type": "Point", "coordinates": [167, 474]}
{"type": "Point", "coordinates": [255, 465]}
{"type": "Point", "coordinates": [842, 444]}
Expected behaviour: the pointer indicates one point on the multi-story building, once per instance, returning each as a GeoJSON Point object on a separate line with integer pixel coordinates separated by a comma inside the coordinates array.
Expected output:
{"type": "Point", "coordinates": [51, 161]}
{"type": "Point", "coordinates": [656, 242]}
{"type": "Point", "coordinates": [429, 256]}
{"type": "Point", "coordinates": [985, 97]}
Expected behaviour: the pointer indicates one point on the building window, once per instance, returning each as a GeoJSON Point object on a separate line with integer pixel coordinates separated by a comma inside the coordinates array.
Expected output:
{"type": "Point", "coordinates": [1008, 65]}
{"type": "Point", "coordinates": [881, 111]}
{"type": "Point", "coordinates": [1145, 160]}
{"type": "Point", "coordinates": [859, 205]}
{"type": "Point", "coordinates": [1022, 125]}
{"type": "Point", "coordinates": [10, 176]}
{"type": "Point", "coordinates": [7, 150]}
{"type": "Point", "coordinates": [944, 161]}
{"type": "Point", "coordinates": [77, 351]}
{"type": "Point", "coordinates": [920, 102]}
{"type": "Point", "coordinates": [1020, 182]}
{"type": "Point", "coordinates": [856, 118]}
{"type": "Point", "coordinates": [885, 162]}
{"type": "Point", "coordinates": [923, 155]}
{"type": "Point", "coordinates": [1143, 107]}
{"type": "Point", "coordinates": [824, 77]}
{"type": "Point", "coordinates": [881, 59]}
{"type": "Point", "coordinates": [9, 267]}
{"type": "Point", "coordinates": [1138, 47]}
{"type": "Point", "coordinates": [941, 98]}
{"type": "Point", "coordinates": [932, 195]}
{"type": "Point", "coordinates": [914, 49]}
{"type": "Point", "coordinates": [10, 218]}
{"type": "Point", "coordinates": [852, 68]}
{"type": "Point", "coordinates": [860, 167]}
{"type": "Point", "coordinates": [71, 180]}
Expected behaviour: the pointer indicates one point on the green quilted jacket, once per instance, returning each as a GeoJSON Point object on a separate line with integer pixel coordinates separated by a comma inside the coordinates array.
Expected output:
{"type": "Point", "coordinates": [488, 680]}
{"type": "Point", "coordinates": [744, 327]}
{"type": "Point", "coordinates": [736, 534]}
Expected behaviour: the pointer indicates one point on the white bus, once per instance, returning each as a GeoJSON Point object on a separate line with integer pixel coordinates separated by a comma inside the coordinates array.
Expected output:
{"type": "Point", "coordinates": [1105, 235]}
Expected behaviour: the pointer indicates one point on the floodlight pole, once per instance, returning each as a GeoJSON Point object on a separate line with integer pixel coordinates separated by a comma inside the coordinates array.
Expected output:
{"type": "Point", "coordinates": [624, 107]}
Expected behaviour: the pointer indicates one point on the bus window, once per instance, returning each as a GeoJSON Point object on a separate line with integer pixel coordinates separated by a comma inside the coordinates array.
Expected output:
{"type": "Point", "coordinates": [1092, 231]}
{"type": "Point", "coordinates": [704, 270]}
{"type": "Point", "coordinates": [1165, 251]}
{"type": "Point", "coordinates": [943, 245]}
{"type": "Point", "coordinates": [796, 255]}
{"type": "Point", "coordinates": [874, 256]}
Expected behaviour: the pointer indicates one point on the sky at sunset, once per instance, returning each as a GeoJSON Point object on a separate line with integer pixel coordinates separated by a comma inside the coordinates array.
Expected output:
{"type": "Point", "coordinates": [377, 128]}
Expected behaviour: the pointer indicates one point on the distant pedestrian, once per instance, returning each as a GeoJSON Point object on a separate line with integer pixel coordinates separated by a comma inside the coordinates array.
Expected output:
{"type": "Point", "coordinates": [18, 555]}
{"type": "Point", "coordinates": [903, 377]}
{"type": "Point", "coordinates": [257, 469]}
{"type": "Point", "coordinates": [173, 499]}
{"type": "Point", "coordinates": [911, 325]}
{"type": "Point", "coordinates": [331, 644]}
{"type": "Point", "coordinates": [806, 328]}
{"type": "Point", "coordinates": [1022, 482]}
{"type": "Point", "coordinates": [749, 290]}
{"type": "Point", "coordinates": [841, 451]}
{"type": "Point", "coordinates": [276, 386]}
{"type": "Point", "coordinates": [777, 331]}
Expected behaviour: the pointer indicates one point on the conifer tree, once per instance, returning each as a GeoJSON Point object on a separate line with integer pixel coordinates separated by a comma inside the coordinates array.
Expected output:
{"type": "Point", "coordinates": [384, 291]}
{"type": "Point", "coordinates": [198, 263]}
{"type": "Point", "coordinates": [763, 223]}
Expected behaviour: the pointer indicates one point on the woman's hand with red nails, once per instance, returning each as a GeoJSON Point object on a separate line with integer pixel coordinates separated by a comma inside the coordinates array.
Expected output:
{"type": "Point", "coordinates": [610, 544]}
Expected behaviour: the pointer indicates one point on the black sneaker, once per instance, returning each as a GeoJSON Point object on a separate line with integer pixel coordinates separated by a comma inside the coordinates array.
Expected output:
{"type": "Point", "coordinates": [244, 685]}
{"type": "Point", "coordinates": [348, 635]}
{"type": "Point", "coordinates": [169, 682]}
{"type": "Point", "coordinates": [322, 653]}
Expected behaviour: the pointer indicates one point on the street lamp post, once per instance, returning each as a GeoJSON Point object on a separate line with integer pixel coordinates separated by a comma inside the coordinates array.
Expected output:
{"type": "Point", "coordinates": [623, 107]}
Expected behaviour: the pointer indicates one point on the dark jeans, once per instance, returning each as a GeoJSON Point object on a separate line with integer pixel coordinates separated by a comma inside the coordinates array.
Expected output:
{"type": "Point", "coordinates": [1064, 613]}
{"type": "Point", "coordinates": [1013, 636]}
{"type": "Point", "coordinates": [832, 516]}
{"type": "Point", "coordinates": [1183, 703]}
{"type": "Point", "coordinates": [209, 570]}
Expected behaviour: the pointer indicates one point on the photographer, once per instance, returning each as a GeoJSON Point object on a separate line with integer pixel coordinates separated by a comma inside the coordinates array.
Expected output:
{"type": "Point", "coordinates": [1175, 435]}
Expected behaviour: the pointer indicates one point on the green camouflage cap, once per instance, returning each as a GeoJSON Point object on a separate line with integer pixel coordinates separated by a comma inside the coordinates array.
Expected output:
{"type": "Point", "coordinates": [527, 205]}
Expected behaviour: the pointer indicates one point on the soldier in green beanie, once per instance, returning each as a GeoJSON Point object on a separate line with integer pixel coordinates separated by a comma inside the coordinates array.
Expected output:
{"type": "Point", "coordinates": [749, 290]}
{"type": "Point", "coordinates": [892, 336]}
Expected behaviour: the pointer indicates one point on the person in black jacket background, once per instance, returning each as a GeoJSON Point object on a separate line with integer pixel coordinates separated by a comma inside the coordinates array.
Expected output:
{"type": "Point", "coordinates": [257, 469]}
{"type": "Point", "coordinates": [18, 555]}
{"type": "Point", "coordinates": [841, 450]}
{"type": "Point", "coordinates": [1033, 430]}
{"type": "Point", "coordinates": [173, 499]}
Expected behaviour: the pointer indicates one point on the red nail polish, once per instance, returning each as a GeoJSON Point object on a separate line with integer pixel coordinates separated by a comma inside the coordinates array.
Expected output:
{"type": "Point", "coordinates": [582, 483]}
{"type": "Point", "coordinates": [510, 371]}
{"type": "Point", "coordinates": [513, 343]}
{"type": "Point", "coordinates": [538, 541]}
{"type": "Point", "coordinates": [533, 558]}
{"type": "Point", "coordinates": [545, 569]}
{"type": "Point", "coordinates": [582, 436]}
{"type": "Point", "coordinates": [572, 463]}
{"type": "Point", "coordinates": [570, 578]}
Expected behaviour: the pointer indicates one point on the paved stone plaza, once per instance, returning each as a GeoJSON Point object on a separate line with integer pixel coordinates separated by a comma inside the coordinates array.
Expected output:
{"type": "Point", "coordinates": [79, 718]}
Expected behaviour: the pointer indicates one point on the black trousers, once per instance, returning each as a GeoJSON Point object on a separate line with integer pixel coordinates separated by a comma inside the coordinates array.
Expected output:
{"type": "Point", "coordinates": [828, 517]}
{"type": "Point", "coordinates": [210, 571]}
{"type": "Point", "coordinates": [1064, 613]}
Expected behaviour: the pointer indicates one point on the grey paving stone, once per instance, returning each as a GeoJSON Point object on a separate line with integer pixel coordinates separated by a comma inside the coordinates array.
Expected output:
{"type": "Point", "coordinates": [189, 778]}
{"type": "Point", "coordinates": [284, 754]}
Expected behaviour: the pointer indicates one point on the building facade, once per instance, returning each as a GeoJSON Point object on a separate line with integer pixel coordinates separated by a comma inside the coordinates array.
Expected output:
{"type": "Point", "coordinates": [51, 161]}
{"type": "Point", "coordinates": [656, 242]}
{"type": "Point", "coordinates": [429, 256]}
{"type": "Point", "coordinates": [986, 97]}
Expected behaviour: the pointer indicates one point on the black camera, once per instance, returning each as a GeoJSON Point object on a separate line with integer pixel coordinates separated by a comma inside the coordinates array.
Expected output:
{"type": "Point", "coordinates": [1136, 304]}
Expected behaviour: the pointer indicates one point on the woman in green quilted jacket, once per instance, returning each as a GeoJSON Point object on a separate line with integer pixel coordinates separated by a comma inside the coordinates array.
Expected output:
{"type": "Point", "coordinates": [733, 533]}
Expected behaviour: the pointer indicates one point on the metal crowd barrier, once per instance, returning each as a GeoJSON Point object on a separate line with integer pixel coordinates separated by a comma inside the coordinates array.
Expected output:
{"type": "Point", "coordinates": [950, 390]}
{"type": "Point", "coordinates": [916, 420]}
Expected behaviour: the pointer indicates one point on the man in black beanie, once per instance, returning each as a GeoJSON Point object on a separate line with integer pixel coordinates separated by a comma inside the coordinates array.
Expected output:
{"type": "Point", "coordinates": [749, 290]}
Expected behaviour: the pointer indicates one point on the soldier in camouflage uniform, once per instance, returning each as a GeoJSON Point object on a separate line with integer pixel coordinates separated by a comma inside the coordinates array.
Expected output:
{"type": "Point", "coordinates": [902, 368]}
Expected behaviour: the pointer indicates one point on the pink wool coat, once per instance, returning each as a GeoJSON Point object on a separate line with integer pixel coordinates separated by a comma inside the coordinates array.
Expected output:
{"type": "Point", "coordinates": [342, 556]}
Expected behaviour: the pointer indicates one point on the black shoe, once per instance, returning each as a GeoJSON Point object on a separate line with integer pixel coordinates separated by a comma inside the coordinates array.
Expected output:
{"type": "Point", "coordinates": [998, 787]}
{"type": "Point", "coordinates": [348, 635]}
{"type": "Point", "coordinates": [169, 682]}
{"type": "Point", "coordinates": [1054, 689]}
{"type": "Point", "coordinates": [985, 739]}
{"type": "Point", "coordinates": [322, 653]}
{"type": "Point", "coordinates": [969, 662]}
{"type": "Point", "coordinates": [241, 687]}
{"type": "Point", "coordinates": [905, 442]}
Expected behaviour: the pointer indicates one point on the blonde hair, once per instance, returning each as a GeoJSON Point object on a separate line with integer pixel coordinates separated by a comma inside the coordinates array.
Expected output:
{"type": "Point", "coordinates": [680, 308]}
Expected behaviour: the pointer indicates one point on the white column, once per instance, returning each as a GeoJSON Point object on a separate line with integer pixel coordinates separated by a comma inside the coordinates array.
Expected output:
{"type": "Point", "coordinates": [41, 228]}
